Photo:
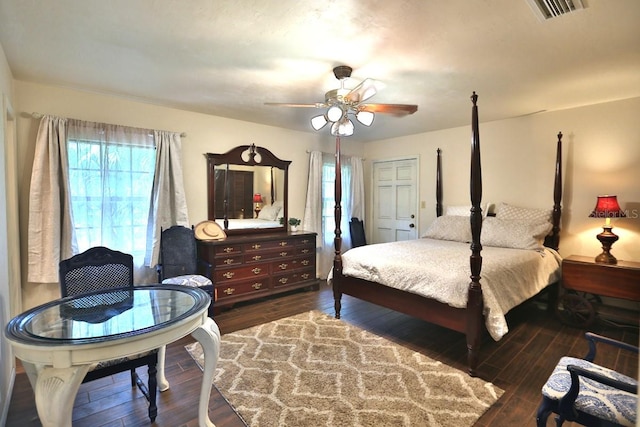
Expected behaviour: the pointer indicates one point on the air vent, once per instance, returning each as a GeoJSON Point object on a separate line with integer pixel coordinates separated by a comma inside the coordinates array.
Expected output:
{"type": "Point", "coordinates": [547, 9]}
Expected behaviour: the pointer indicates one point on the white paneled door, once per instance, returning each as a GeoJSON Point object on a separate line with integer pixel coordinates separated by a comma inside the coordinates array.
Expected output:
{"type": "Point", "coordinates": [395, 200]}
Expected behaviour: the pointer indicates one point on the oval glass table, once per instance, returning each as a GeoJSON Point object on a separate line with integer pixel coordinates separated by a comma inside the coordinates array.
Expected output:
{"type": "Point", "coordinates": [59, 341]}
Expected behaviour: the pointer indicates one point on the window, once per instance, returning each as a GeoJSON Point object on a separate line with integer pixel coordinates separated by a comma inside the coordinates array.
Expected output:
{"type": "Point", "coordinates": [110, 192]}
{"type": "Point", "coordinates": [328, 200]}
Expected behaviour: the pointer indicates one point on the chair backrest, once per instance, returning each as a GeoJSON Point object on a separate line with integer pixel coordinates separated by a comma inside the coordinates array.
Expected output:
{"type": "Point", "coordinates": [95, 269]}
{"type": "Point", "coordinates": [356, 227]}
{"type": "Point", "coordinates": [178, 252]}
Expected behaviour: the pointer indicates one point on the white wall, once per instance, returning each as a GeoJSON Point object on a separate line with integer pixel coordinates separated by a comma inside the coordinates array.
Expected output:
{"type": "Point", "coordinates": [9, 285]}
{"type": "Point", "coordinates": [601, 155]}
{"type": "Point", "coordinates": [205, 133]}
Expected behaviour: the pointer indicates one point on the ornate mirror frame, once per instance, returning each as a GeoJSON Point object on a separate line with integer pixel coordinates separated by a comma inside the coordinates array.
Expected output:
{"type": "Point", "coordinates": [245, 157]}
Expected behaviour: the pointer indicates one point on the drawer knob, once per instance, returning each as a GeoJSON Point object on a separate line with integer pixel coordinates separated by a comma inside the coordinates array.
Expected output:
{"type": "Point", "coordinates": [305, 276]}
{"type": "Point", "coordinates": [256, 246]}
{"type": "Point", "coordinates": [257, 257]}
{"type": "Point", "coordinates": [283, 244]}
{"type": "Point", "coordinates": [228, 261]}
{"type": "Point", "coordinates": [283, 280]}
{"type": "Point", "coordinates": [229, 274]}
{"type": "Point", "coordinates": [305, 241]}
{"type": "Point", "coordinates": [305, 251]}
{"type": "Point", "coordinates": [227, 249]}
{"type": "Point", "coordinates": [256, 286]}
{"type": "Point", "coordinates": [283, 266]}
{"type": "Point", "coordinates": [284, 253]}
{"type": "Point", "coordinates": [256, 270]}
{"type": "Point", "coordinates": [305, 262]}
{"type": "Point", "coordinates": [229, 291]}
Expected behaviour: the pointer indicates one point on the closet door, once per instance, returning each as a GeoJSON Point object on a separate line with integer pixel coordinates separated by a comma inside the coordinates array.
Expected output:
{"type": "Point", "coordinates": [395, 200]}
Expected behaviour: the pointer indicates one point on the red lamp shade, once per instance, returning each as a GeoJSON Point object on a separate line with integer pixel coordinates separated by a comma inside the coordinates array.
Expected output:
{"type": "Point", "coordinates": [607, 207]}
{"type": "Point", "coordinates": [257, 198]}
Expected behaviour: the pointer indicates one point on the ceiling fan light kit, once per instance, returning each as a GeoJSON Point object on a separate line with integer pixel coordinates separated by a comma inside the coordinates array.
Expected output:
{"type": "Point", "coordinates": [341, 103]}
{"type": "Point", "coordinates": [318, 122]}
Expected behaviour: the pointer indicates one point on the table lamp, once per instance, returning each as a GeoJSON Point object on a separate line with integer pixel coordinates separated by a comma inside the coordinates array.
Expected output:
{"type": "Point", "coordinates": [257, 199]}
{"type": "Point", "coordinates": [607, 207]}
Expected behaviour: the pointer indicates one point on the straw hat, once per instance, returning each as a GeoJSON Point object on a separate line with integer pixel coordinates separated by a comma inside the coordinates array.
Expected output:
{"type": "Point", "coordinates": [209, 230]}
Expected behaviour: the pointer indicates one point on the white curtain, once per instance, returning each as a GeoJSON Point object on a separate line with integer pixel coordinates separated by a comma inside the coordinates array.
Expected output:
{"type": "Point", "coordinates": [168, 193]}
{"type": "Point", "coordinates": [320, 204]}
{"type": "Point", "coordinates": [54, 234]}
{"type": "Point", "coordinates": [50, 233]}
{"type": "Point", "coordinates": [312, 220]}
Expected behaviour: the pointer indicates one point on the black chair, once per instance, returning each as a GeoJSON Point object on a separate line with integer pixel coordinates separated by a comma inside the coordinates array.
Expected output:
{"type": "Point", "coordinates": [356, 228]}
{"type": "Point", "coordinates": [581, 391]}
{"type": "Point", "coordinates": [179, 262]}
{"type": "Point", "coordinates": [102, 268]}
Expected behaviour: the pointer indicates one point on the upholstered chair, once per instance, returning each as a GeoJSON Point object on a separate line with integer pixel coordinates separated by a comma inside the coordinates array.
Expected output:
{"type": "Point", "coordinates": [581, 391]}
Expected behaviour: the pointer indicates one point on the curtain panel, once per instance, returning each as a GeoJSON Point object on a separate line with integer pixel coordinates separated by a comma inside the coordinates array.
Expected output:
{"type": "Point", "coordinates": [320, 203]}
{"type": "Point", "coordinates": [109, 170]}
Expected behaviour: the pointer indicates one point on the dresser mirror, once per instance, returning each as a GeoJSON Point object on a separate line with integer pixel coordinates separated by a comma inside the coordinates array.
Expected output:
{"type": "Point", "coordinates": [247, 189]}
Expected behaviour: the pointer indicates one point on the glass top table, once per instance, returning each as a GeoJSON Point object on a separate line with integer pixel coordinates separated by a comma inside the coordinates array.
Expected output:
{"type": "Point", "coordinates": [58, 342]}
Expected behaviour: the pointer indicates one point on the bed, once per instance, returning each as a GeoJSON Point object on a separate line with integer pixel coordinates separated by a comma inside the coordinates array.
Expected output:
{"type": "Point", "coordinates": [457, 297]}
{"type": "Point", "coordinates": [268, 217]}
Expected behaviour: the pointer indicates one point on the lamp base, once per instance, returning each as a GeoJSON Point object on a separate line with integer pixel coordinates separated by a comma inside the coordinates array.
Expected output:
{"type": "Point", "coordinates": [607, 238]}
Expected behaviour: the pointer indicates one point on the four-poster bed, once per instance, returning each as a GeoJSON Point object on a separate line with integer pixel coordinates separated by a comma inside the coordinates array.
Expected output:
{"type": "Point", "coordinates": [467, 304]}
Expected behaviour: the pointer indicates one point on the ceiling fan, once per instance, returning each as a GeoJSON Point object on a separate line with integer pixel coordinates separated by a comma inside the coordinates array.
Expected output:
{"type": "Point", "coordinates": [341, 103]}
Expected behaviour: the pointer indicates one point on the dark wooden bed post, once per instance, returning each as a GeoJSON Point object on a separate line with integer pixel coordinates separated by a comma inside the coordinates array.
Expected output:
{"type": "Point", "coordinates": [557, 198]}
{"type": "Point", "coordinates": [475, 301]}
{"type": "Point", "coordinates": [438, 183]}
{"type": "Point", "coordinates": [337, 241]}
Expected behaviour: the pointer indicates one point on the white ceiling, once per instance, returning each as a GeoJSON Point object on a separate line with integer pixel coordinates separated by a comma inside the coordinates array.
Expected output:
{"type": "Point", "coordinates": [228, 57]}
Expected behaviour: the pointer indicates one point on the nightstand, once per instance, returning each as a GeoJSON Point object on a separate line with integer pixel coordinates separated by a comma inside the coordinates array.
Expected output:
{"type": "Point", "coordinates": [581, 275]}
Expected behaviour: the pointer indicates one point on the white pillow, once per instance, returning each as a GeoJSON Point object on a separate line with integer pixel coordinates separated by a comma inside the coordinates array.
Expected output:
{"type": "Point", "coordinates": [450, 227]}
{"type": "Point", "coordinates": [530, 215]}
{"type": "Point", "coordinates": [465, 210]}
{"type": "Point", "coordinates": [269, 212]}
{"type": "Point", "coordinates": [514, 234]}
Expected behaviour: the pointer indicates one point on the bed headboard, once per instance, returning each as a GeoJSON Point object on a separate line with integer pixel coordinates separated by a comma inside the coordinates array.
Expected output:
{"type": "Point", "coordinates": [553, 238]}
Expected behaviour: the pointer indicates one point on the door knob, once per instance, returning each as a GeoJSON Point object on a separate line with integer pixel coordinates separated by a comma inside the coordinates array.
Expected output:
{"type": "Point", "coordinates": [411, 225]}
{"type": "Point", "coordinates": [412, 216]}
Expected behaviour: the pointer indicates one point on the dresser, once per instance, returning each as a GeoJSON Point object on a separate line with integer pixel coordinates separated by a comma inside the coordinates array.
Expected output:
{"type": "Point", "coordinates": [253, 266]}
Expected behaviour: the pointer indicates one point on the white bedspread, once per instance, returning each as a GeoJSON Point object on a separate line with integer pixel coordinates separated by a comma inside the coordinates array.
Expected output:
{"type": "Point", "coordinates": [440, 270]}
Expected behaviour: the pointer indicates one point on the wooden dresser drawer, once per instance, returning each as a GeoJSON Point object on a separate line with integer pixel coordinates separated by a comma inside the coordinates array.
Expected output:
{"type": "Point", "coordinates": [266, 245]}
{"type": "Point", "coordinates": [244, 272]}
{"type": "Point", "coordinates": [293, 278]}
{"type": "Point", "coordinates": [234, 289]}
{"type": "Point", "coordinates": [264, 255]}
{"type": "Point", "coordinates": [224, 250]}
{"type": "Point", "coordinates": [229, 260]}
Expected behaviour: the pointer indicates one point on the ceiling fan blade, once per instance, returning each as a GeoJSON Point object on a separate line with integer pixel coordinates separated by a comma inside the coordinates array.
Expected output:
{"type": "Point", "coordinates": [365, 90]}
{"type": "Point", "coordinates": [288, 104]}
{"type": "Point", "coordinates": [396, 109]}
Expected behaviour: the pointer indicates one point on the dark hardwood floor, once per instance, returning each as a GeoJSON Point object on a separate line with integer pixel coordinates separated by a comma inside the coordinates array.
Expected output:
{"type": "Point", "coordinates": [519, 363]}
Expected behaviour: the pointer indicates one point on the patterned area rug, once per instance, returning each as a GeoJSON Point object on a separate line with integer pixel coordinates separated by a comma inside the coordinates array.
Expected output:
{"type": "Point", "coordinates": [314, 370]}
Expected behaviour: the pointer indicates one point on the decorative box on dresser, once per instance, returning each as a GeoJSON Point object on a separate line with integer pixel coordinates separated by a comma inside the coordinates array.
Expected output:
{"type": "Point", "coordinates": [246, 267]}
{"type": "Point", "coordinates": [581, 274]}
